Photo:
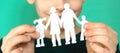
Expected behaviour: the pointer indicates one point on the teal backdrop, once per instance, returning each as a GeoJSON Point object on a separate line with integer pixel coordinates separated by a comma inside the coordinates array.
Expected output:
{"type": "Point", "coordinates": [17, 12]}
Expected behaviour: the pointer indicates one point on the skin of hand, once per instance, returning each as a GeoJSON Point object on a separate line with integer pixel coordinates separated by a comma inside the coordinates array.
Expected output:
{"type": "Point", "coordinates": [20, 40]}
{"type": "Point", "coordinates": [100, 38]}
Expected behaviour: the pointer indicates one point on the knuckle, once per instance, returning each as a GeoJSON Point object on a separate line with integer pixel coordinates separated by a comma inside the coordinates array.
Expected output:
{"type": "Point", "coordinates": [10, 41]}
{"type": "Point", "coordinates": [104, 32]}
{"type": "Point", "coordinates": [107, 39]}
{"type": "Point", "coordinates": [4, 39]}
{"type": "Point", "coordinates": [22, 38]}
{"type": "Point", "coordinates": [19, 38]}
{"type": "Point", "coordinates": [13, 30]}
{"type": "Point", "coordinates": [116, 39]}
{"type": "Point", "coordinates": [115, 33]}
{"type": "Point", "coordinates": [14, 40]}
{"type": "Point", "coordinates": [116, 42]}
{"type": "Point", "coordinates": [102, 24]}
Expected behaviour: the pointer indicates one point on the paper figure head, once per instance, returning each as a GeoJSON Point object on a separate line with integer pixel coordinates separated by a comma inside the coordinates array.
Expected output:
{"type": "Point", "coordinates": [52, 10]}
{"type": "Point", "coordinates": [83, 17]}
{"type": "Point", "coordinates": [66, 6]}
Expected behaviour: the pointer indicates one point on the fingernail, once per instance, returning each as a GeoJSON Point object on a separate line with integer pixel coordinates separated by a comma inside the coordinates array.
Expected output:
{"type": "Point", "coordinates": [38, 35]}
{"type": "Point", "coordinates": [85, 33]}
{"type": "Point", "coordinates": [21, 48]}
{"type": "Point", "coordinates": [86, 25]}
{"type": "Point", "coordinates": [91, 44]}
{"type": "Point", "coordinates": [33, 26]}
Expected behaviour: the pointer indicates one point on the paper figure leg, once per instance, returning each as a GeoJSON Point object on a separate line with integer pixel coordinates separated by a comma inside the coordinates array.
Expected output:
{"type": "Point", "coordinates": [38, 43]}
{"type": "Point", "coordinates": [73, 35]}
{"type": "Point", "coordinates": [58, 40]}
{"type": "Point", "coordinates": [82, 34]}
{"type": "Point", "coordinates": [53, 41]}
{"type": "Point", "coordinates": [42, 42]}
{"type": "Point", "coordinates": [67, 36]}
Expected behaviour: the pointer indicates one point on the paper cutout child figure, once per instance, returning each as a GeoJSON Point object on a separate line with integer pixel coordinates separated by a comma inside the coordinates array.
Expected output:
{"type": "Point", "coordinates": [82, 27]}
{"type": "Point", "coordinates": [40, 29]}
{"type": "Point", "coordinates": [67, 20]}
{"type": "Point", "coordinates": [54, 20]}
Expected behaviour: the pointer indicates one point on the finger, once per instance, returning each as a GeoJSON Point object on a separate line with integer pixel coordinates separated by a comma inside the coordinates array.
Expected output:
{"type": "Point", "coordinates": [91, 25]}
{"type": "Point", "coordinates": [13, 42]}
{"type": "Point", "coordinates": [103, 41]}
{"type": "Point", "coordinates": [18, 31]}
{"type": "Point", "coordinates": [22, 29]}
{"type": "Point", "coordinates": [96, 31]}
{"type": "Point", "coordinates": [18, 50]}
{"type": "Point", "coordinates": [33, 35]}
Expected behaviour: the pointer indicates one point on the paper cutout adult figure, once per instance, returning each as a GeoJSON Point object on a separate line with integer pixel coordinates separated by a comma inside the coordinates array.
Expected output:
{"type": "Point", "coordinates": [67, 20]}
{"type": "Point", "coordinates": [55, 24]}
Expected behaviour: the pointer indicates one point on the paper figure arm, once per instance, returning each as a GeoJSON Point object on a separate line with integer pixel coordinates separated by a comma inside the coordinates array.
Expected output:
{"type": "Point", "coordinates": [75, 17]}
{"type": "Point", "coordinates": [43, 19]}
{"type": "Point", "coordinates": [60, 22]}
{"type": "Point", "coordinates": [48, 23]}
{"type": "Point", "coordinates": [35, 21]}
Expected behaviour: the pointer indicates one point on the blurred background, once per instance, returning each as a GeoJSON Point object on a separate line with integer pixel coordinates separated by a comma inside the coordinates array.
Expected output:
{"type": "Point", "coordinates": [17, 12]}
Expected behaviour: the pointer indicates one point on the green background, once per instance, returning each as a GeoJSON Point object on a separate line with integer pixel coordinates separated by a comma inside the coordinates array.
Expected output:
{"type": "Point", "coordinates": [17, 12]}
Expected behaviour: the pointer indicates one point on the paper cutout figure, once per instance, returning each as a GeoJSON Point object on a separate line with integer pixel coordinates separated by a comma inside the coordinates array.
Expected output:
{"type": "Point", "coordinates": [54, 20]}
{"type": "Point", "coordinates": [67, 20]}
{"type": "Point", "coordinates": [40, 29]}
{"type": "Point", "coordinates": [82, 27]}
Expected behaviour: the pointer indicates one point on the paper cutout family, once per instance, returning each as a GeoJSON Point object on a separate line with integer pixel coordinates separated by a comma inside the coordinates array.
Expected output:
{"type": "Point", "coordinates": [56, 23]}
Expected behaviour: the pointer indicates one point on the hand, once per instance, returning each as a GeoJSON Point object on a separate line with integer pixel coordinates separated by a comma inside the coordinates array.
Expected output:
{"type": "Point", "coordinates": [20, 40]}
{"type": "Point", "coordinates": [100, 38]}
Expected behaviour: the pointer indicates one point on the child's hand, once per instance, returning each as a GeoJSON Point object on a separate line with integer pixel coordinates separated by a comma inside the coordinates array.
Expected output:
{"type": "Point", "coordinates": [100, 38]}
{"type": "Point", "coordinates": [20, 40]}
